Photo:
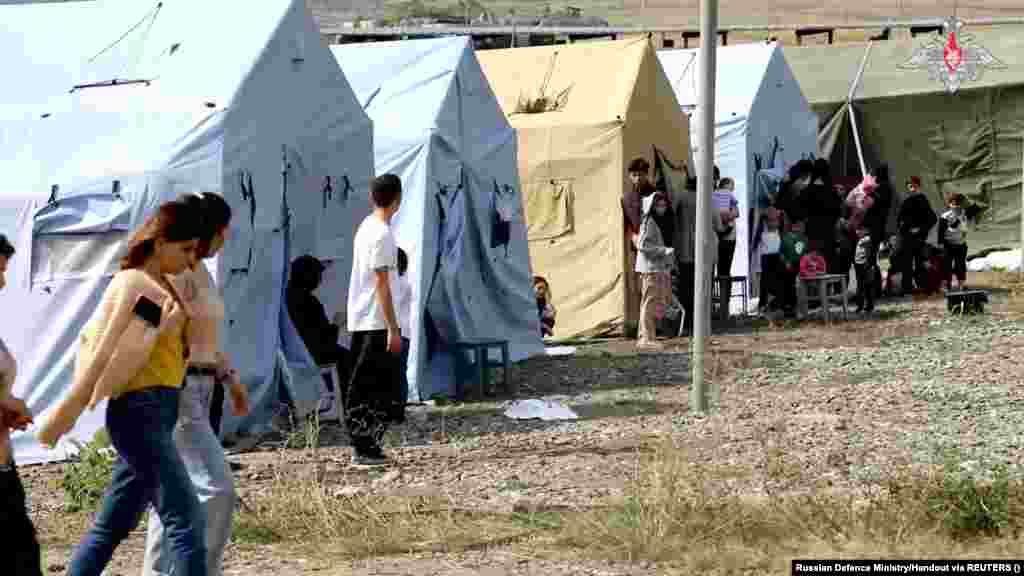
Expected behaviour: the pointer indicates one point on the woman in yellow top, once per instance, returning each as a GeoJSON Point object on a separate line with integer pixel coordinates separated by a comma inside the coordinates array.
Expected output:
{"type": "Point", "coordinates": [207, 364]}
{"type": "Point", "coordinates": [142, 412]}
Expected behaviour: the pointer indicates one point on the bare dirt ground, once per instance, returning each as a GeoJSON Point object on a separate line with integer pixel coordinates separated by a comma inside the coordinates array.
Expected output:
{"type": "Point", "coordinates": [843, 403]}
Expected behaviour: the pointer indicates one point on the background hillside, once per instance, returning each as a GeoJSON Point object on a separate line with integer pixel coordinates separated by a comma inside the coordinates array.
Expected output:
{"type": "Point", "coordinates": [674, 12]}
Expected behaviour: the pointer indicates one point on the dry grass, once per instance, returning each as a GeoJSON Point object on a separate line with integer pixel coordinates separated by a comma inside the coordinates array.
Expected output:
{"type": "Point", "coordinates": [314, 512]}
{"type": "Point", "coordinates": [678, 513]}
{"type": "Point", "coordinates": [684, 514]}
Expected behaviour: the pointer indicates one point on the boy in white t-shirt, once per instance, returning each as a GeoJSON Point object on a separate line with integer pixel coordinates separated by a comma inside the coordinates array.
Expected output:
{"type": "Point", "coordinates": [373, 321]}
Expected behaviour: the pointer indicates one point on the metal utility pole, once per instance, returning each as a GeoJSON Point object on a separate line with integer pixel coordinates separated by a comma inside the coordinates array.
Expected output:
{"type": "Point", "coordinates": [706, 163]}
{"type": "Point", "coordinates": [1022, 207]}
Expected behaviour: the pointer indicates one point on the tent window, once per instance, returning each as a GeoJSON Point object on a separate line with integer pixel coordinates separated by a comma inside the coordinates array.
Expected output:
{"type": "Point", "coordinates": [76, 256]}
{"type": "Point", "coordinates": [549, 208]}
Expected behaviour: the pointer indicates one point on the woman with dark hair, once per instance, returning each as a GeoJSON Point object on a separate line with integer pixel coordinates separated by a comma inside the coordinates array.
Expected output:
{"type": "Point", "coordinates": [23, 558]}
{"type": "Point", "coordinates": [318, 333]}
{"type": "Point", "coordinates": [133, 351]}
{"type": "Point", "coordinates": [208, 366]}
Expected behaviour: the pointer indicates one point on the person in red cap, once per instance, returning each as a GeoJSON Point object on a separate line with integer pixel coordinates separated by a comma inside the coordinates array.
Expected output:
{"type": "Point", "coordinates": [915, 219]}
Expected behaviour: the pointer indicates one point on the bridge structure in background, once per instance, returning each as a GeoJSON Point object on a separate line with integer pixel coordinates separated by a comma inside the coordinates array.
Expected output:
{"type": "Point", "coordinates": [490, 36]}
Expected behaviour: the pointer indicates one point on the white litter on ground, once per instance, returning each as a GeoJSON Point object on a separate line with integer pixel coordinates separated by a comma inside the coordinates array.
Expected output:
{"type": "Point", "coordinates": [540, 409]}
{"type": "Point", "coordinates": [1008, 260]}
{"type": "Point", "coordinates": [560, 350]}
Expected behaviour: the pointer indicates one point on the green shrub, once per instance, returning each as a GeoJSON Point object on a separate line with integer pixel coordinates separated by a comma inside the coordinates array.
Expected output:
{"type": "Point", "coordinates": [969, 506]}
{"type": "Point", "coordinates": [87, 477]}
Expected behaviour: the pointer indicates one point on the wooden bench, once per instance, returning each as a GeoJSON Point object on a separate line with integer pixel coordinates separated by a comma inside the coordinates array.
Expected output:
{"type": "Point", "coordinates": [966, 301]}
{"type": "Point", "coordinates": [480, 348]}
{"type": "Point", "coordinates": [820, 285]}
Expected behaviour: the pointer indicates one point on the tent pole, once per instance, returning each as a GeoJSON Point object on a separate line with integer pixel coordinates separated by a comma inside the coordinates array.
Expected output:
{"type": "Point", "coordinates": [849, 108]}
{"type": "Point", "coordinates": [856, 138]}
{"type": "Point", "coordinates": [860, 72]}
{"type": "Point", "coordinates": [702, 276]}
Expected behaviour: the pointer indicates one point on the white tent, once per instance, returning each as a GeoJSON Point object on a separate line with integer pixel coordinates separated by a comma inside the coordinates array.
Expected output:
{"type": "Point", "coordinates": [439, 127]}
{"type": "Point", "coordinates": [761, 120]}
{"type": "Point", "coordinates": [217, 108]}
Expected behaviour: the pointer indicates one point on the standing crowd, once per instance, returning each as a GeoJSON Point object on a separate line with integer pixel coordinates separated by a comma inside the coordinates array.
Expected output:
{"type": "Point", "coordinates": [154, 350]}
{"type": "Point", "coordinates": [807, 227]}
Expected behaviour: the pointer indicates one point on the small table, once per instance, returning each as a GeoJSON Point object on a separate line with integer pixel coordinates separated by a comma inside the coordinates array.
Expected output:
{"type": "Point", "coordinates": [480, 347]}
{"type": "Point", "coordinates": [720, 284]}
{"type": "Point", "coordinates": [823, 282]}
{"type": "Point", "coordinates": [966, 300]}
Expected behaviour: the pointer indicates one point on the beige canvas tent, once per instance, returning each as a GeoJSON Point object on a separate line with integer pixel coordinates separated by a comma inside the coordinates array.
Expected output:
{"type": "Point", "coordinates": [967, 142]}
{"type": "Point", "coordinates": [617, 105]}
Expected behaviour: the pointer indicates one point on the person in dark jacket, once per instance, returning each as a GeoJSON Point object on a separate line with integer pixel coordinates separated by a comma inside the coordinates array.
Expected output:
{"type": "Point", "coordinates": [791, 198]}
{"type": "Point", "coordinates": [915, 219]}
{"type": "Point", "coordinates": [877, 217]}
{"type": "Point", "coordinates": [632, 200]}
{"type": "Point", "coordinates": [309, 317]}
{"type": "Point", "coordinates": [823, 210]}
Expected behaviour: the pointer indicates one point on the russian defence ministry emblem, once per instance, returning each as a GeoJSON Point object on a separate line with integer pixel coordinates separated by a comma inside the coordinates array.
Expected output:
{"type": "Point", "coordinates": [954, 58]}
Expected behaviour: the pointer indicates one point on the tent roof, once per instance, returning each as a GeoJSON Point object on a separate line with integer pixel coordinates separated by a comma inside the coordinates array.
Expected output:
{"type": "Point", "coordinates": [196, 66]}
{"type": "Point", "coordinates": [740, 70]}
{"type": "Point", "coordinates": [403, 84]}
{"type": "Point", "coordinates": [516, 73]}
{"type": "Point", "coordinates": [825, 73]}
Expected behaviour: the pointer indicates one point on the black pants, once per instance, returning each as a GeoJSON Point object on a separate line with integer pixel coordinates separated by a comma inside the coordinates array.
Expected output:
{"type": "Point", "coordinates": [371, 391]}
{"type": "Point", "coordinates": [912, 261]}
{"type": "Point", "coordinates": [771, 270]}
{"type": "Point", "coordinates": [22, 553]}
{"type": "Point", "coordinates": [684, 292]}
{"type": "Point", "coordinates": [217, 407]}
{"type": "Point", "coordinates": [726, 250]}
{"type": "Point", "coordinates": [787, 288]}
{"type": "Point", "coordinates": [865, 298]}
{"type": "Point", "coordinates": [956, 262]}
{"type": "Point", "coordinates": [342, 359]}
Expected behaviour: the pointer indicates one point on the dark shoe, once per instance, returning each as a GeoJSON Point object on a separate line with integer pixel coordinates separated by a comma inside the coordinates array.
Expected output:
{"type": "Point", "coordinates": [378, 459]}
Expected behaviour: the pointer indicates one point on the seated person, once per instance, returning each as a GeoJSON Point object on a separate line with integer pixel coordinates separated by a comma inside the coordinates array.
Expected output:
{"type": "Point", "coordinates": [812, 263]}
{"type": "Point", "coordinates": [545, 309]}
{"type": "Point", "coordinates": [307, 313]}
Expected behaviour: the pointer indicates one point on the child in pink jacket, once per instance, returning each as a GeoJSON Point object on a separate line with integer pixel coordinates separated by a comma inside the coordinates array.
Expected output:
{"type": "Point", "coordinates": [860, 200]}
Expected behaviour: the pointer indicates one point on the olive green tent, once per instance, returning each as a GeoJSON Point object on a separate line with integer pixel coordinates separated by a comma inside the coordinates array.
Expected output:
{"type": "Point", "coordinates": [969, 141]}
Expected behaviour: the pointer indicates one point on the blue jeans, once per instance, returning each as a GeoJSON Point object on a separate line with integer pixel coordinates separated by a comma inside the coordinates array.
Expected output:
{"type": "Point", "coordinates": [211, 478]}
{"type": "Point", "coordinates": [148, 470]}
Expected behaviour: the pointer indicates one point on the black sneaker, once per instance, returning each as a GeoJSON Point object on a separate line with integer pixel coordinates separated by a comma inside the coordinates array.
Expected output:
{"type": "Point", "coordinates": [378, 459]}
